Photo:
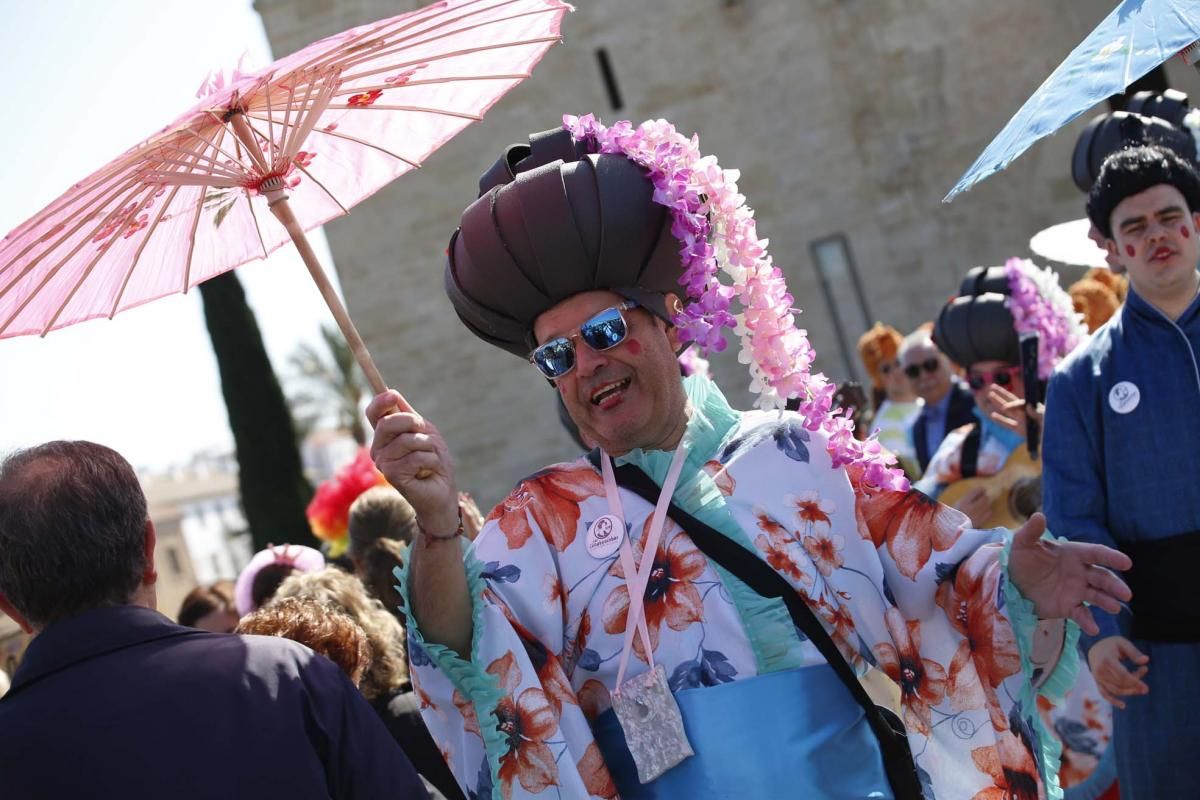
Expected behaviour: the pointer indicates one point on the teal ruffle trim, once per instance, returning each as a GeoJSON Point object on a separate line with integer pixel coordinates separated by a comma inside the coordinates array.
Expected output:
{"type": "Point", "coordinates": [765, 620]}
{"type": "Point", "coordinates": [469, 677]}
{"type": "Point", "coordinates": [1024, 620]}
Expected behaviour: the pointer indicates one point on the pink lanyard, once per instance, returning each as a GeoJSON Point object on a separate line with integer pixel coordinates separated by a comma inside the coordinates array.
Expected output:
{"type": "Point", "coordinates": [636, 581]}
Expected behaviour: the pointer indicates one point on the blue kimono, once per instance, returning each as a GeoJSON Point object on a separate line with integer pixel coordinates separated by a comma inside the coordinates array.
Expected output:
{"type": "Point", "coordinates": [1121, 458]}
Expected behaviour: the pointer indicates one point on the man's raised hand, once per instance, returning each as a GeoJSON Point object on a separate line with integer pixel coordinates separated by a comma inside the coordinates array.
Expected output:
{"type": "Point", "coordinates": [412, 455]}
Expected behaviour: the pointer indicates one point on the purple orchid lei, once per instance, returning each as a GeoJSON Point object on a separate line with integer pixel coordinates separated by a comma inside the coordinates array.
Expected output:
{"type": "Point", "coordinates": [1039, 305]}
{"type": "Point", "coordinates": [717, 235]}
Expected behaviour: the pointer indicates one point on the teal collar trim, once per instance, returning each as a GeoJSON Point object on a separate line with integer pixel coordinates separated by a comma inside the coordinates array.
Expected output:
{"type": "Point", "coordinates": [710, 419]}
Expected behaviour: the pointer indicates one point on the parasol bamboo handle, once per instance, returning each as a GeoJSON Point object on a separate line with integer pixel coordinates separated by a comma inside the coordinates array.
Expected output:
{"type": "Point", "coordinates": [283, 212]}
{"type": "Point", "coordinates": [278, 203]}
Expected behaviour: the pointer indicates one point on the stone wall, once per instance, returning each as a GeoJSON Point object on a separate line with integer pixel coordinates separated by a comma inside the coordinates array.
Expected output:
{"type": "Point", "coordinates": [850, 117]}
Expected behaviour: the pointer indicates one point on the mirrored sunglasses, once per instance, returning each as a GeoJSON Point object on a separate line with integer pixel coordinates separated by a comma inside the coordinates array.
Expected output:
{"type": "Point", "coordinates": [606, 330]}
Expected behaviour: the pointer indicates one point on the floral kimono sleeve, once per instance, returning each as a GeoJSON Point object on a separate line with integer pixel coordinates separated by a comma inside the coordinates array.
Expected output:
{"type": "Point", "coordinates": [964, 641]}
{"type": "Point", "coordinates": [507, 719]}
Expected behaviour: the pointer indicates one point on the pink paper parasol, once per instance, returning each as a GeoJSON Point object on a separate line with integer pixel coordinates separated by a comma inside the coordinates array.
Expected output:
{"type": "Point", "coordinates": [308, 137]}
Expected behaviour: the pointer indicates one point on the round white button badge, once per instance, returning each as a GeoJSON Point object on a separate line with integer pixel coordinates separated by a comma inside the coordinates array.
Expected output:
{"type": "Point", "coordinates": [604, 536]}
{"type": "Point", "coordinates": [1124, 397]}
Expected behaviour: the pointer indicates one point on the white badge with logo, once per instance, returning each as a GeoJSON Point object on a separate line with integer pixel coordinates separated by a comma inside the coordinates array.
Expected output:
{"type": "Point", "coordinates": [604, 536]}
{"type": "Point", "coordinates": [1124, 397]}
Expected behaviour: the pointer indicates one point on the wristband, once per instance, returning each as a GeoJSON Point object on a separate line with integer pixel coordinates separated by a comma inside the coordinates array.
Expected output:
{"type": "Point", "coordinates": [445, 537]}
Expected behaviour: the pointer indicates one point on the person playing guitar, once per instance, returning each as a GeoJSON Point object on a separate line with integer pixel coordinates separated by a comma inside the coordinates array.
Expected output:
{"type": "Point", "coordinates": [986, 469]}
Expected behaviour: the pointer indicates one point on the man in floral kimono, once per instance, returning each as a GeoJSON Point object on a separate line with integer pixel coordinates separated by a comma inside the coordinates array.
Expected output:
{"type": "Point", "coordinates": [573, 258]}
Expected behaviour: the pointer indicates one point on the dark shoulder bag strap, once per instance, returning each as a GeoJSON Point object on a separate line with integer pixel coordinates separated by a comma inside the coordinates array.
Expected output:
{"type": "Point", "coordinates": [756, 574]}
{"type": "Point", "coordinates": [969, 462]}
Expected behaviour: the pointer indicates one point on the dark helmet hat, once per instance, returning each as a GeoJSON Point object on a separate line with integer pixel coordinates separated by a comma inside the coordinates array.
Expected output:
{"type": "Point", "coordinates": [977, 325]}
{"type": "Point", "coordinates": [552, 221]}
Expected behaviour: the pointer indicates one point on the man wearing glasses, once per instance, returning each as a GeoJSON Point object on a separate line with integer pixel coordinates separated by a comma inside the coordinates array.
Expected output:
{"type": "Point", "coordinates": [948, 404]}
{"type": "Point", "coordinates": [592, 641]}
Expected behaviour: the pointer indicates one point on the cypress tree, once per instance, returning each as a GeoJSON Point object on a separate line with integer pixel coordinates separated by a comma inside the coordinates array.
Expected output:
{"type": "Point", "coordinates": [271, 478]}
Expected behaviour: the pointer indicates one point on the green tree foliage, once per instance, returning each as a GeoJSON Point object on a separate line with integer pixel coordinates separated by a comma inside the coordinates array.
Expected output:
{"type": "Point", "coordinates": [271, 478]}
{"type": "Point", "coordinates": [329, 383]}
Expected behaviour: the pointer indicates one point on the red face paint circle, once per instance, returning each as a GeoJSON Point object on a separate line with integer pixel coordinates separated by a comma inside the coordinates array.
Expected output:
{"type": "Point", "coordinates": [1129, 251]}
{"type": "Point", "coordinates": [1185, 231]}
{"type": "Point", "coordinates": [635, 347]}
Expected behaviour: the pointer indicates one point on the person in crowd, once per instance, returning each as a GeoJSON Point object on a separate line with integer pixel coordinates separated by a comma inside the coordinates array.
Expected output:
{"type": "Point", "coordinates": [571, 259]}
{"type": "Point", "coordinates": [210, 608]}
{"type": "Point", "coordinates": [947, 404]}
{"type": "Point", "coordinates": [319, 627]}
{"type": "Point", "coordinates": [1094, 301]}
{"type": "Point", "coordinates": [110, 692]}
{"type": "Point", "coordinates": [895, 401]}
{"type": "Point", "coordinates": [979, 330]}
{"type": "Point", "coordinates": [1121, 451]}
{"type": "Point", "coordinates": [385, 681]}
{"type": "Point", "coordinates": [257, 582]}
{"type": "Point", "coordinates": [380, 529]}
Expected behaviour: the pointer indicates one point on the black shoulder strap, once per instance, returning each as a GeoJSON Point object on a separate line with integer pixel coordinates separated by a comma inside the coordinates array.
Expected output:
{"type": "Point", "coordinates": [969, 462]}
{"type": "Point", "coordinates": [755, 573]}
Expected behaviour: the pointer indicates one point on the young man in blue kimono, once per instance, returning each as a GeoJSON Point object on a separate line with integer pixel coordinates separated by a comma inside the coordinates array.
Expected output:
{"type": "Point", "coordinates": [1121, 458]}
{"type": "Point", "coordinates": [518, 641]}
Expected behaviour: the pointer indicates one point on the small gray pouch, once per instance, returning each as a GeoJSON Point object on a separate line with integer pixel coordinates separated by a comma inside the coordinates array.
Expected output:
{"type": "Point", "coordinates": [653, 727]}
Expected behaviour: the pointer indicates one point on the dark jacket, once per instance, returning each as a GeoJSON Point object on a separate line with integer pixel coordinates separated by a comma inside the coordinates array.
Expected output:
{"type": "Point", "coordinates": [961, 411]}
{"type": "Point", "coordinates": [1121, 452]}
{"type": "Point", "coordinates": [121, 702]}
{"type": "Point", "coordinates": [402, 714]}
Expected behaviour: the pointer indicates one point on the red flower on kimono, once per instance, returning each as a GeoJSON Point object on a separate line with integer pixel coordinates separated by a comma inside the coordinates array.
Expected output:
{"type": "Point", "coordinates": [770, 526]}
{"type": "Point", "coordinates": [548, 666]}
{"type": "Point", "coordinates": [467, 709]}
{"type": "Point", "coordinates": [552, 498]}
{"type": "Point", "coordinates": [578, 642]}
{"type": "Point", "coordinates": [721, 477]}
{"type": "Point", "coordinates": [671, 596]}
{"type": "Point", "coordinates": [825, 549]}
{"type": "Point", "coordinates": [594, 698]}
{"type": "Point", "coordinates": [1012, 768]}
{"type": "Point", "coordinates": [364, 99]}
{"type": "Point", "coordinates": [922, 681]}
{"type": "Point", "coordinates": [811, 508]}
{"type": "Point", "coordinates": [784, 556]}
{"type": "Point", "coordinates": [526, 721]}
{"type": "Point", "coordinates": [911, 523]}
{"type": "Point", "coordinates": [596, 779]}
{"type": "Point", "coordinates": [556, 592]}
{"type": "Point", "coordinates": [988, 653]}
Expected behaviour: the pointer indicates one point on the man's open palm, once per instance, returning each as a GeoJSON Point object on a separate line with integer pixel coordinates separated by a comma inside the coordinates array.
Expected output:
{"type": "Point", "coordinates": [1059, 577]}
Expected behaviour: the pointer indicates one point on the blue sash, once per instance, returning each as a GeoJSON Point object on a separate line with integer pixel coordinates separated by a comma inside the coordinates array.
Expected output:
{"type": "Point", "coordinates": [795, 733]}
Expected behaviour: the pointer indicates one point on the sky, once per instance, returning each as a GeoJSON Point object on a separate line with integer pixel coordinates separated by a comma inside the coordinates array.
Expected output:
{"type": "Point", "coordinates": [84, 81]}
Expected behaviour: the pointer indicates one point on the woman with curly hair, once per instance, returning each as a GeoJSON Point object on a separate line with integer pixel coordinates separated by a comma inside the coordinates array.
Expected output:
{"type": "Point", "coordinates": [385, 683]}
